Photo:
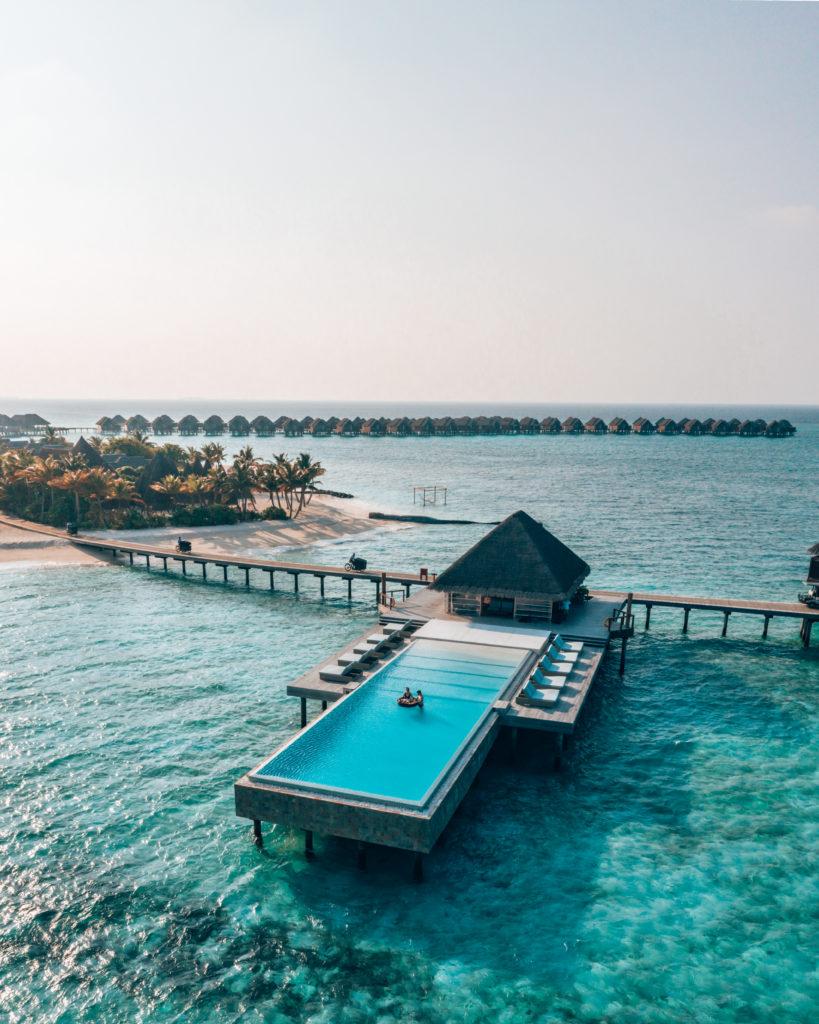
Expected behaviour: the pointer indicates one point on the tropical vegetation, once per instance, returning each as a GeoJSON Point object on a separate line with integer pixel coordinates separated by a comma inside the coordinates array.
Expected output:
{"type": "Point", "coordinates": [128, 482]}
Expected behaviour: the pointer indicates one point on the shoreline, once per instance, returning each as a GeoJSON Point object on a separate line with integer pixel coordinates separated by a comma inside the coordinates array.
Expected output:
{"type": "Point", "coordinates": [325, 520]}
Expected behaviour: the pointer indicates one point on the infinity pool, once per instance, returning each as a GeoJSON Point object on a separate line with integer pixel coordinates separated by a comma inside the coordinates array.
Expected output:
{"type": "Point", "coordinates": [370, 746]}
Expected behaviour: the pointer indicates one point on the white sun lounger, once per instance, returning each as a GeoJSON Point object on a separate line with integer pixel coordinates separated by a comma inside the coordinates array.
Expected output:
{"type": "Point", "coordinates": [557, 655]}
{"type": "Point", "coordinates": [539, 678]}
{"type": "Point", "coordinates": [339, 673]}
{"type": "Point", "coordinates": [551, 668]}
{"type": "Point", "coordinates": [539, 698]}
{"type": "Point", "coordinates": [567, 645]}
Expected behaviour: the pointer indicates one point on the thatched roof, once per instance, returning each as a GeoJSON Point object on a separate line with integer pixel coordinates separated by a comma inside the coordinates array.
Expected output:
{"type": "Point", "coordinates": [214, 425]}
{"type": "Point", "coordinates": [28, 420]}
{"type": "Point", "coordinates": [137, 423]}
{"type": "Point", "coordinates": [239, 425]}
{"type": "Point", "coordinates": [163, 425]}
{"type": "Point", "coordinates": [813, 549]}
{"type": "Point", "coordinates": [517, 558]}
{"type": "Point", "coordinates": [189, 425]}
{"type": "Point", "coordinates": [88, 452]}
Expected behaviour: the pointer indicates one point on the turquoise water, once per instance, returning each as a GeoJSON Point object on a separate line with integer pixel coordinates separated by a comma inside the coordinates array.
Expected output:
{"type": "Point", "coordinates": [667, 874]}
{"type": "Point", "coordinates": [371, 745]}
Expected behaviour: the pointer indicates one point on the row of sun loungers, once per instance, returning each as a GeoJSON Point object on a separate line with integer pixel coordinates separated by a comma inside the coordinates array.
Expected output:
{"type": "Point", "coordinates": [366, 654]}
{"type": "Point", "coordinates": [542, 689]}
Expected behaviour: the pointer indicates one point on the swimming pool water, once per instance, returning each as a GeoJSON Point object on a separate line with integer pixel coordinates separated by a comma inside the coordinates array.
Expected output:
{"type": "Point", "coordinates": [370, 745]}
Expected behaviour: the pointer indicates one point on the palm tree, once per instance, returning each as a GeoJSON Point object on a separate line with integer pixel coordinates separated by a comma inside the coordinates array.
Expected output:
{"type": "Point", "coordinates": [213, 453]}
{"type": "Point", "coordinates": [308, 472]}
{"type": "Point", "coordinates": [40, 474]}
{"type": "Point", "coordinates": [76, 481]}
{"type": "Point", "coordinates": [173, 487]}
{"type": "Point", "coordinates": [98, 489]}
{"type": "Point", "coordinates": [198, 487]}
{"type": "Point", "coordinates": [121, 493]}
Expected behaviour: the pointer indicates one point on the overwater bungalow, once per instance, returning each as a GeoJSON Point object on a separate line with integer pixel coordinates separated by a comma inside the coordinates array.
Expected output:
{"type": "Point", "coordinates": [120, 421]}
{"type": "Point", "coordinates": [667, 426]}
{"type": "Point", "coordinates": [550, 425]}
{"type": "Point", "coordinates": [293, 428]}
{"type": "Point", "coordinates": [344, 427]}
{"type": "Point", "coordinates": [137, 423]}
{"type": "Point", "coordinates": [319, 428]}
{"type": "Point", "coordinates": [239, 426]}
{"type": "Point", "coordinates": [595, 426]}
{"type": "Point", "coordinates": [374, 427]}
{"type": "Point", "coordinates": [509, 425]}
{"type": "Point", "coordinates": [519, 570]}
{"type": "Point", "coordinates": [761, 426]}
{"type": "Point", "coordinates": [163, 425]}
{"type": "Point", "coordinates": [28, 420]}
{"type": "Point", "coordinates": [214, 425]}
{"type": "Point", "coordinates": [529, 425]}
{"type": "Point", "coordinates": [733, 426]}
{"type": "Point", "coordinates": [691, 427]}
{"type": "Point", "coordinates": [107, 425]}
{"type": "Point", "coordinates": [707, 424]}
{"type": "Point", "coordinates": [720, 428]}
{"type": "Point", "coordinates": [642, 426]}
{"type": "Point", "coordinates": [306, 424]}
{"type": "Point", "coordinates": [748, 428]}
{"type": "Point", "coordinates": [262, 426]}
{"type": "Point", "coordinates": [571, 425]}
{"type": "Point", "coordinates": [779, 428]}
{"type": "Point", "coordinates": [619, 426]}
{"type": "Point", "coordinates": [462, 425]}
{"type": "Point", "coordinates": [189, 426]}
{"type": "Point", "coordinates": [280, 422]}
{"type": "Point", "coordinates": [423, 426]}
{"type": "Point", "coordinates": [332, 423]}
{"type": "Point", "coordinates": [399, 427]}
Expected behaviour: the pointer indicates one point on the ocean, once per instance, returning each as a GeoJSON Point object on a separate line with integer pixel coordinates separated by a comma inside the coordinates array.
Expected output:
{"type": "Point", "coordinates": [667, 874]}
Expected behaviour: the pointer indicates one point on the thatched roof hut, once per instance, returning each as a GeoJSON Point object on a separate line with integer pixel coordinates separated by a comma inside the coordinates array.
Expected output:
{"type": "Point", "coordinates": [667, 426]}
{"type": "Point", "coordinates": [306, 423]}
{"type": "Point", "coordinates": [786, 428]}
{"type": "Point", "coordinates": [720, 428]}
{"type": "Point", "coordinates": [509, 425]}
{"type": "Point", "coordinates": [161, 465]}
{"type": "Point", "coordinates": [529, 425]}
{"type": "Point", "coordinates": [120, 421]}
{"type": "Point", "coordinates": [293, 428]}
{"type": "Point", "coordinates": [189, 425]}
{"type": "Point", "coordinates": [692, 427]}
{"type": "Point", "coordinates": [163, 425]}
{"type": "Point", "coordinates": [423, 426]}
{"type": "Point", "coordinates": [332, 422]}
{"type": "Point", "coordinates": [319, 427]}
{"type": "Point", "coordinates": [107, 425]}
{"type": "Point", "coordinates": [571, 425]}
{"type": "Point", "coordinates": [140, 423]}
{"type": "Point", "coordinates": [748, 428]}
{"type": "Point", "coordinates": [239, 426]}
{"type": "Point", "coordinates": [517, 568]}
{"type": "Point", "coordinates": [444, 426]}
{"type": "Point", "coordinates": [399, 427]}
{"type": "Point", "coordinates": [262, 426]}
{"type": "Point", "coordinates": [280, 421]}
{"type": "Point", "coordinates": [619, 426]}
{"type": "Point", "coordinates": [595, 426]}
{"type": "Point", "coordinates": [342, 428]}
{"type": "Point", "coordinates": [374, 426]}
{"type": "Point", "coordinates": [214, 425]}
{"type": "Point", "coordinates": [88, 452]}
{"type": "Point", "coordinates": [733, 426]}
{"type": "Point", "coordinates": [463, 425]}
{"type": "Point", "coordinates": [550, 425]}
{"type": "Point", "coordinates": [642, 426]}
{"type": "Point", "coordinates": [707, 424]}
{"type": "Point", "coordinates": [28, 420]}
{"type": "Point", "coordinates": [779, 428]}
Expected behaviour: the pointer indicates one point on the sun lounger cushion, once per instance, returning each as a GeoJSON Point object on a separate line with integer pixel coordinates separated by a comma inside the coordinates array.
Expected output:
{"type": "Point", "coordinates": [557, 655]}
{"type": "Point", "coordinates": [544, 698]}
{"type": "Point", "coordinates": [567, 645]}
{"type": "Point", "coordinates": [539, 678]}
{"type": "Point", "coordinates": [552, 668]}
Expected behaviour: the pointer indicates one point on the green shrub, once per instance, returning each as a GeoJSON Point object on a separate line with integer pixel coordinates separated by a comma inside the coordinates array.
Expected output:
{"type": "Point", "coordinates": [205, 515]}
{"type": "Point", "coordinates": [273, 512]}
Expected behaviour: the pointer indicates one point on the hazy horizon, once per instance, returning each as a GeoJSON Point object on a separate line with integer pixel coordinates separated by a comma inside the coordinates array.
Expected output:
{"type": "Point", "coordinates": [563, 202]}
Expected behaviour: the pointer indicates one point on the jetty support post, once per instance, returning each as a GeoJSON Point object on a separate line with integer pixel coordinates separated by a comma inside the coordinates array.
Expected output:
{"type": "Point", "coordinates": [559, 747]}
{"type": "Point", "coordinates": [648, 614]}
{"type": "Point", "coordinates": [350, 588]}
{"type": "Point", "coordinates": [247, 576]}
{"type": "Point", "coordinates": [224, 573]}
{"type": "Point", "coordinates": [164, 563]}
{"type": "Point", "coordinates": [309, 852]}
{"type": "Point", "coordinates": [295, 583]}
{"type": "Point", "coordinates": [623, 656]}
{"type": "Point", "coordinates": [204, 572]}
{"type": "Point", "coordinates": [765, 627]}
{"type": "Point", "coordinates": [807, 625]}
{"type": "Point", "coordinates": [685, 620]}
{"type": "Point", "coordinates": [184, 566]}
{"type": "Point", "coordinates": [258, 839]}
{"type": "Point", "coordinates": [321, 585]}
{"type": "Point", "coordinates": [303, 711]}
{"type": "Point", "coordinates": [270, 574]}
{"type": "Point", "coordinates": [147, 560]}
{"type": "Point", "coordinates": [726, 613]}
{"type": "Point", "coordinates": [383, 588]}
{"type": "Point", "coordinates": [131, 557]}
{"type": "Point", "coordinates": [418, 867]}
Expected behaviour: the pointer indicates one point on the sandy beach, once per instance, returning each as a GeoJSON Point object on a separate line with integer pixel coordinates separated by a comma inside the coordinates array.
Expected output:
{"type": "Point", "coordinates": [325, 519]}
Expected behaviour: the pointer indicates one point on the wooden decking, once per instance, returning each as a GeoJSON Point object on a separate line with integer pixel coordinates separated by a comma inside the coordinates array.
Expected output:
{"type": "Point", "coordinates": [563, 717]}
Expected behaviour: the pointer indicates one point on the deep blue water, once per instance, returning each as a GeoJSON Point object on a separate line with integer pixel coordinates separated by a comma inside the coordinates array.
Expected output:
{"type": "Point", "coordinates": [667, 874]}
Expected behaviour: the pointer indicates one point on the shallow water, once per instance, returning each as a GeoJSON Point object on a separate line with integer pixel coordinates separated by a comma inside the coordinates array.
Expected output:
{"type": "Point", "coordinates": [667, 874]}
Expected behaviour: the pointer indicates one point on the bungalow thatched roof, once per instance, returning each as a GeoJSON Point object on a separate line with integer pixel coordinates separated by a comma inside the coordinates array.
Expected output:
{"type": "Point", "coordinates": [214, 425]}
{"type": "Point", "coordinates": [517, 558]}
{"type": "Point", "coordinates": [189, 425]}
{"type": "Point", "coordinates": [88, 452]}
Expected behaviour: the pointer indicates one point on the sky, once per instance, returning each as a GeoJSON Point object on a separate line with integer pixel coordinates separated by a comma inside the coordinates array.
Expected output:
{"type": "Point", "coordinates": [502, 201]}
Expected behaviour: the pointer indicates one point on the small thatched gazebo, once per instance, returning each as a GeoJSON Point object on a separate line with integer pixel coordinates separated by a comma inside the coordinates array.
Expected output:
{"type": "Point", "coordinates": [88, 452]}
{"type": "Point", "coordinates": [518, 570]}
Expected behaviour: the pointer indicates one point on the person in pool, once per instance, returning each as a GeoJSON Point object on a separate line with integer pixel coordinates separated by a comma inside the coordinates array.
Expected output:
{"type": "Point", "coordinates": [419, 699]}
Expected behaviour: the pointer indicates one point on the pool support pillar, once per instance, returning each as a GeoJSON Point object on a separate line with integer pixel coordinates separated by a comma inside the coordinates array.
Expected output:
{"type": "Point", "coordinates": [324, 705]}
{"type": "Point", "coordinates": [685, 620]}
{"type": "Point", "coordinates": [303, 711]}
{"type": "Point", "coordinates": [725, 623]}
{"type": "Point", "coordinates": [361, 856]}
{"type": "Point", "coordinates": [623, 656]}
{"type": "Point", "coordinates": [258, 839]}
{"type": "Point", "coordinates": [418, 866]}
{"type": "Point", "coordinates": [309, 852]}
{"type": "Point", "coordinates": [559, 747]}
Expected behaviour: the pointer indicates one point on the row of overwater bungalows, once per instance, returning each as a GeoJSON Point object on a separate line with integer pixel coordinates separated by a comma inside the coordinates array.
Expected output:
{"type": "Point", "coordinates": [443, 426]}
